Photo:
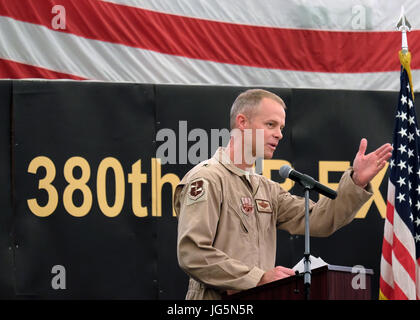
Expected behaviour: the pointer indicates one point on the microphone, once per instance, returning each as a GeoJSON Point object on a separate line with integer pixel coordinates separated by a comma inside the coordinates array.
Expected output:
{"type": "Point", "coordinates": [305, 180]}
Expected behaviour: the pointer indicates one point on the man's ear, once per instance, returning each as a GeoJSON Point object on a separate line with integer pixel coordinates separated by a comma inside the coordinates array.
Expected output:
{"type": "Point", "coordinates": [241, 121]}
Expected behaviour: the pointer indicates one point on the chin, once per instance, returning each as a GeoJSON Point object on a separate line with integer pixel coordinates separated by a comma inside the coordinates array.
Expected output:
{"type": "Point", "coordinates": [268, 155]}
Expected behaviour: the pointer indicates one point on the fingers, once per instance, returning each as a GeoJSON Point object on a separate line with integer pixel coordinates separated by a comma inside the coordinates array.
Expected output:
{"type": "Point", "coordinates": [381, 164]}
{"type": "Point", "coordinates": [363, 146]}
{"type": "Point", "coordinates": [385, 157]}
{"type": "Point", "coordinates": [383, 150]}
{"type": "Point", "coordinates": [383, 154]}
{"type": "Point", "coordinates": [285, 270]}
{"type": "Point", "coordinates": [230, 292]}
{"type": "Point", "coordinates": [277, 273]}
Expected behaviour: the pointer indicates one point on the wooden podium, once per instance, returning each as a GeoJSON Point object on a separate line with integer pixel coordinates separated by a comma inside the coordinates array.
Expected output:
{"type": "Point", "coordinates": [329, 282]}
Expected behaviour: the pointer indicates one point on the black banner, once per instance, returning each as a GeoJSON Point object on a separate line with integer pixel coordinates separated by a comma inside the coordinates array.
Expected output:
{"type": "Point", "coordinates": [6, 252]}
{"type": "Point", "coordinates": [87, 207]}
{"type": "Point", "coordinates": [77, 235]}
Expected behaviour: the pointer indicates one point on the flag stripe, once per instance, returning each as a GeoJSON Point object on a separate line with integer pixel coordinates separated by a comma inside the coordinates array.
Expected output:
{"type": "Point", "coordinates": [405, 258]}
{"type": "Point", "coordinates": [390, 214]}
{"type": "Point", "coordinates": [387, 251]}
{"type": "Point", "coordinates": [386, 271]}
{"type": "Point", "coordinates": [255, 46]}
{"type": "Point", "coordinates": [403, 235]}
{"type": "Point", "coordinates": [15, 70]}
{"type": "Point", "coordinates": [418, 278]}
{"type": "Point", "coordinates": [388, 232]}
{"type": "Point", "coordinates": [402, 280]}
{"type": "Point", "coordinates": [314, 14]}
{"type": "Point", "coordinates": [398, 294]}
{"type": "Point", "coordinates": [386, 289]}
{"type": "Point", "coordinates": [391, 200]}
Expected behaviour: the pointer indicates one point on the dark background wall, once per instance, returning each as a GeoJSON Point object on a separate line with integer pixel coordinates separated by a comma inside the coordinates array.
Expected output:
{"type": "Point", "coordinates": [131, 254]}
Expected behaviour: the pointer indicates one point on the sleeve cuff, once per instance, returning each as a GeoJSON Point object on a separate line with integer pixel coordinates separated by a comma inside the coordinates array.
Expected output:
{"type": "Point", "coordinates": [368, 189]}
{"type": "Point", "coordinates": [254, 276]}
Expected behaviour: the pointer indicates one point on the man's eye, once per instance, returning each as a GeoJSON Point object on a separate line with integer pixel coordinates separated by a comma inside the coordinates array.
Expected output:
{"type": "Point", "coordinates": [270, 124]}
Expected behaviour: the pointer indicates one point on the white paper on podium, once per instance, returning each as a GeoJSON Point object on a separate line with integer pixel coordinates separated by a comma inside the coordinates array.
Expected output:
{"type": "Point", "coordinates": [315, 263]}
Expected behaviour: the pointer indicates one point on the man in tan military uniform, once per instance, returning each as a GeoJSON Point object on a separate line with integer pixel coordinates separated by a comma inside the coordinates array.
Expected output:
{"type": "Point", "coordinates": [228, 215]}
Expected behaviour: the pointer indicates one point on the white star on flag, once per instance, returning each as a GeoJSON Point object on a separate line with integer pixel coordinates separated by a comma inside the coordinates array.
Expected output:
{"type": "Point", "coordinates": [401, 197]}
{"type": "Point", "coordinates": [402, 165]}
{"type": "Point", "coordinates": [410, 153]}
{"type": "Point", "coordinates": [403, 99]}
{"type": "Point", "coordinates": [401, 181]}
{"type": "Point", "coordinates": [410, 119]}
{"type": "Point", "coordinates": [410, 137]}
{"type": "Point", "coordinates": [402, 149]}
{"type": "Point", "coordinates": [402, 132]}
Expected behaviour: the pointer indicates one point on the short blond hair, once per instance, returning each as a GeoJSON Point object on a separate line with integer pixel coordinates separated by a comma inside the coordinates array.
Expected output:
{"type": "Point", "coordinates": [248, 101]}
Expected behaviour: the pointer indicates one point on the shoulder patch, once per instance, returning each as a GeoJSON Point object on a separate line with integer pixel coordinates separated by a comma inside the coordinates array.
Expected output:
{"type": "Point", "coordinates": [197, 191]}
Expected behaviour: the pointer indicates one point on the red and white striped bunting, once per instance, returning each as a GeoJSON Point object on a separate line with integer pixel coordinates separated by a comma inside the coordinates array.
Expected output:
{"type": "Point", "coordinates": [281, 44]}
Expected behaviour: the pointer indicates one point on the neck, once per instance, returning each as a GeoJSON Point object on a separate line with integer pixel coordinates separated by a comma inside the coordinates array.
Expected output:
{"type": "Point", "coordinates": [237, 154]}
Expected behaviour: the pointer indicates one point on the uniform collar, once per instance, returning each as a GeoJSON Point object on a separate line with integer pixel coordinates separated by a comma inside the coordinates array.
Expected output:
{"type": "Point", "coordinates": [223, 157]}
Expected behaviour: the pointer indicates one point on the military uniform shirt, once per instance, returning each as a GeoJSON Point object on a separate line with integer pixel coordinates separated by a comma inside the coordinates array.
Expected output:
{"type": "Point", "coordinates": [228, 220]}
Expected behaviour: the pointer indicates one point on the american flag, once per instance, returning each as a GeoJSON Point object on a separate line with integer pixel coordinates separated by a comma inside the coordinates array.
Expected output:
{"type": "Point", "coordinates": [400, 276]}
{"type": "Point", "coordinates": [284, 43]}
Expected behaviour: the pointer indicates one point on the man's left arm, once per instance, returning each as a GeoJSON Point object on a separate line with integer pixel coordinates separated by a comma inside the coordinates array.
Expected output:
{"type": "Point", "coordinates": [353, 191]}
{"type": "Point", "coordinates": [326, 215]}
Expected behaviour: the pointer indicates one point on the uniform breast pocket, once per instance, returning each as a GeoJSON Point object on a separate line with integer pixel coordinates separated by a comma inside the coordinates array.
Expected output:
{"type": "Point", "coordinates": [265, 214]}
{"type": "Point", "coordinates": [266, 221]}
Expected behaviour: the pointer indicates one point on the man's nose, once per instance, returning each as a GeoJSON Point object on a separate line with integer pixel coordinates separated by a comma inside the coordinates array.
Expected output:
{"type": "Point", "coordinates": [278, 134]}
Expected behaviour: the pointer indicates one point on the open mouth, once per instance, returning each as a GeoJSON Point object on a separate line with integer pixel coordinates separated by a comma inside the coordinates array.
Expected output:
{"type": "Point", "coordinates": [272, 146]}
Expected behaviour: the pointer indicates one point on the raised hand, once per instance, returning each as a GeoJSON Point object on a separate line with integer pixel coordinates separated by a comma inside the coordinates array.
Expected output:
{"type": "Point", "coordinates": [367, 166]}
